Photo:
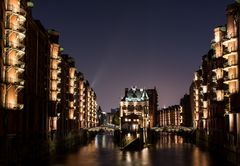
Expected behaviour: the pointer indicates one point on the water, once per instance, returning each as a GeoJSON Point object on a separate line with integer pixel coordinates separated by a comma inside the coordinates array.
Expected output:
{"type": "Point", "coordinates": [170, 150]}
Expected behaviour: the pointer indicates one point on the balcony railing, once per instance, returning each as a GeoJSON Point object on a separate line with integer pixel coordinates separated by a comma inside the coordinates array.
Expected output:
{"type": "Point", "coordinates": [59, 80]}
{"type": "Point", "coordinates": [230, 77]}
{"type": "Point", "coordinates": [59, 68]}
{"type": "Point", "coordinates": [232, 63]}
{"type": "Point", "coordinates": [16, 45]}
{"type": "Point", "coordinates": [228, 38]}
{"type": "Point", "coordinates": [19, 53]}
{"type": "Point", "coordinates": [53, 67]}
{"type": "Point", "coordinates": [229, 53]}
{"type": "Point", "coordinates": [20, 82]}
{"type": "Point", "coordinates": [15, 27]}
{"type": "Point", "coordinates": [54, 56]}
{"type": "Point", "coordinates": [19, 69]}
{"type": "Point", "coordinates": [19, 37]}
{"type": "Point", "coordinates": [16, 81]}
{"type": "Point", "coordinates": [16, 63]}
{"type": "Point", "coordinates": [14, 106]}
{"type": "Point", "coordinates": [54, 78]}
{"type": "Point", "coordinates": [55, 60]}
{"type": "Point", "coordinates": [53, 89]}
{"type": "Point", "coordinates": [16, 10]}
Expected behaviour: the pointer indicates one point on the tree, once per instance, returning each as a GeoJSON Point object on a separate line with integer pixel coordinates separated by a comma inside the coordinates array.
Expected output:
{"type": "Point", "coordinates": [116, 117]}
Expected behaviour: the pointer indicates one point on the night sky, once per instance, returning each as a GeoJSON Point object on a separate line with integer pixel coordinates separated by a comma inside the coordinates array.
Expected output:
{"type": "Point", "coordinates": [146, 43]}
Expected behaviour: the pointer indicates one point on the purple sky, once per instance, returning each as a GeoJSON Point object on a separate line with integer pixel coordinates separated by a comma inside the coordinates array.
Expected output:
{"type": "Point", "coordinates": [122, 43]}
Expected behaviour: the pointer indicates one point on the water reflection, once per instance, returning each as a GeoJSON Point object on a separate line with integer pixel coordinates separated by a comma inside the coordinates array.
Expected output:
{"type": "Point", "coordinates": [168, 141]}
{"type": "Point", "coordinates": [169, 150]}
{"type": "Point", "coordinates": [129, 158]}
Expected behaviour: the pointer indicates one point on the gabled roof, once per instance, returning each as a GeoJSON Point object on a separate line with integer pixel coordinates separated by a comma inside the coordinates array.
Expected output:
{"type": "Point", "coordinates": [135, 94]}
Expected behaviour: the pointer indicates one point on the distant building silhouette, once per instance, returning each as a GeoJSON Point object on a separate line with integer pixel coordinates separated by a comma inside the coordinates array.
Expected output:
{"type": "Point", "coordinates": [186, 113]}
{"type": "Point", "coordinates": [153, 107]}
{"type": "Point", "coordinates": [170, 116]}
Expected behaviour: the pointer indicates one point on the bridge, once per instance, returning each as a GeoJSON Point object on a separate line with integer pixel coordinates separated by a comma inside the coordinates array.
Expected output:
{"type": "Point", "coordinates": [111, 128]}
{"type": "Point", "coordinates": [105, 128]}
{"type": "Point", "coordinates": [173, 129]}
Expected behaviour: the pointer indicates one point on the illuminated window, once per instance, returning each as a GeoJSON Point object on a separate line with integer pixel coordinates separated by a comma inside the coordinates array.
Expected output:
{"type": "Point", "coordinates": [204, 89]}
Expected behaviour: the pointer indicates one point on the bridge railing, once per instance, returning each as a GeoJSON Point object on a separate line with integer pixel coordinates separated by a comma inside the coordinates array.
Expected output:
{"type": "Point", "coordinates": [173, 129]}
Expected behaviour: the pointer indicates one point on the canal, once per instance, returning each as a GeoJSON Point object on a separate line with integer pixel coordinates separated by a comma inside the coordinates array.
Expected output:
{"type": "Point", "coordinates": [170, 150]}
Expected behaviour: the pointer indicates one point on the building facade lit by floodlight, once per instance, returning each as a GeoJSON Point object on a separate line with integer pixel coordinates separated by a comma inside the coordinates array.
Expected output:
{"type": "Point", "coordinates": [134, 110]}
{"type": "Point", "coordinates": [170, 116]}
{"type": "Point", "coordinates": [13, 47]}
{"type": "Point", "coordinates": [214, 92]}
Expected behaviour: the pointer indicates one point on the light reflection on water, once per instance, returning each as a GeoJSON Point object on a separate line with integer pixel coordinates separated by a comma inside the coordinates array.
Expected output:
{"type": "Point", "coordinates": [170, 150]}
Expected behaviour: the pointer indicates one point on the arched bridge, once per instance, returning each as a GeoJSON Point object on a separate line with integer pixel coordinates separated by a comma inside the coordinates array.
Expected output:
{"type": "Point", "coordinates": [104, 128]}
{"type": "Point", "coordinates": [172, 129]}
